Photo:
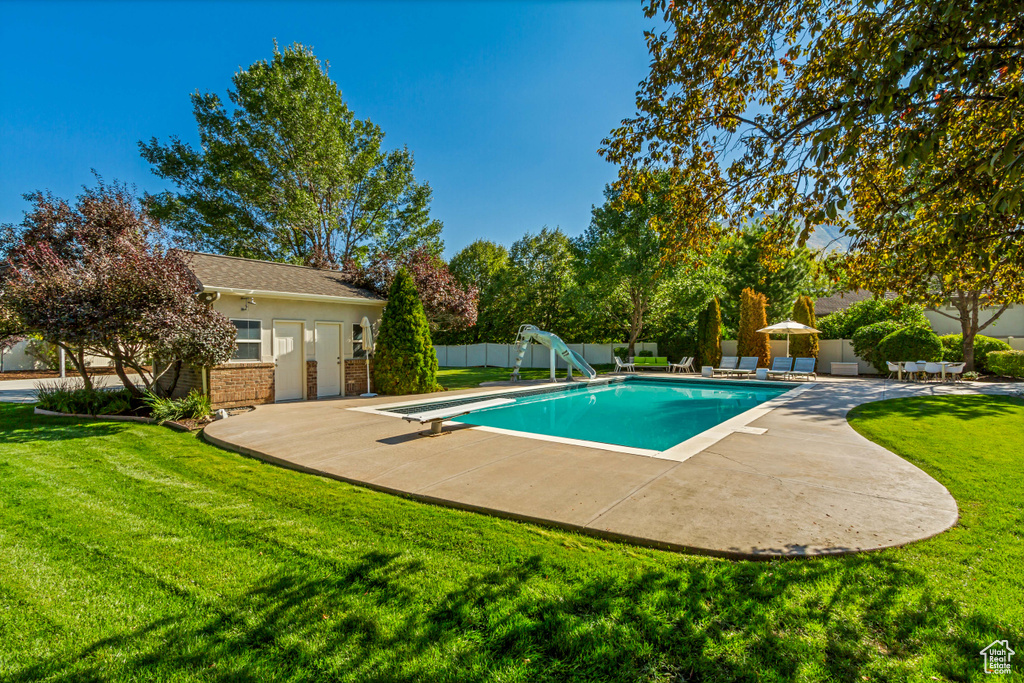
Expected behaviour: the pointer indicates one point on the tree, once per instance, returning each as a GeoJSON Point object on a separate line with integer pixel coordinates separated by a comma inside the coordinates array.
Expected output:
{"type": "Point", "coordinates": [289, 173]}
{"type": "Point", "coordinates": [767, 105]}
{"type": "Point", "coordinates": [448, 305]}
{"type": "Point", "coordinates": [804, 345]}
{"type": "Point", "coordinates": [404, 361]}
{"type": "Point", "coordinates": [622, 249]}
{"type": "Point", "coordinates": [478, 264]}
{"type": "Point", "coordinates": [536, 288]}
{"type": "Point", "coordinates": [709, 335]}
{"type": "Point", "coordinates": [918, 250]}
{"type": "Point", "coordinates": [748, 264]}
{"type": "Point", "coordinates": [104, 288]}
{"type": "Point", "coordinates": [753, 316]}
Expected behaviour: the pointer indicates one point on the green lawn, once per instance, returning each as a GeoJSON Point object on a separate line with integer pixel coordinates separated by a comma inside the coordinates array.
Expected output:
{"type": "Point", "coordinates": [469, 378]}
{"type": "Point", "coordinates": [131, 552]}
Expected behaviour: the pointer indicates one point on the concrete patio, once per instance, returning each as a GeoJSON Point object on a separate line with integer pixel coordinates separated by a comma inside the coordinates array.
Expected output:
{"type": "Point", "coordinates": [809, 485]}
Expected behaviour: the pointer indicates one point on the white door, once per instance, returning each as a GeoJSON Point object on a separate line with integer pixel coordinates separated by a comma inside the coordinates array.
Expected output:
{"type": "Point", "coordinates": [289, 375]}
{"type": "Point", "coordinates": [328, 359]}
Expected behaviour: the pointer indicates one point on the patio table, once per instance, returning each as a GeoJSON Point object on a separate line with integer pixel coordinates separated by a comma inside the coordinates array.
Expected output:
{"type": "Point", "coordinates": [943, 363]}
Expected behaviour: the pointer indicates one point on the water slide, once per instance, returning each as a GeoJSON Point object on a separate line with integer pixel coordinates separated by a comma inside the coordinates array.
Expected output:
{"type": "Point", "coordinates": [531, 333]}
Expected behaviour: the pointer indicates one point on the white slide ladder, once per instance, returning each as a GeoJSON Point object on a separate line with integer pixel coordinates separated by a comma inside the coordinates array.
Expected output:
{"type": "Point", "coordinates": [531, 333]}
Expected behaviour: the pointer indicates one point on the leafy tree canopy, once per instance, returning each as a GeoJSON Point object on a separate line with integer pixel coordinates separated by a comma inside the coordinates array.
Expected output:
{"type": "Point", "coordinates": [780, 279]}
{"type": "Point", "coordinates": [478, 264]}
{"type": "Point", "coordinates": [88, 278]}
{"type": "Point", "coordinates": [287, 173]}
{"type": "Point", "coordinates": [768, 105]}
{"type": "Point", "coordinates": [623, 253]}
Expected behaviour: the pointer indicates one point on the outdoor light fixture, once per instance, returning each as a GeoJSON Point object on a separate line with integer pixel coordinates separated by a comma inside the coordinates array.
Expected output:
{"type": "Point", "coordinates": [248, 301]}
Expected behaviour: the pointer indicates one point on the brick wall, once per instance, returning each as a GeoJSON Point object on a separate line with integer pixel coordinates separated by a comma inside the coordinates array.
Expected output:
{"type": "Point", "coordinates": [188, 378]}
{"type": "Point", "coordinates": [241, 384]}
{"type": "Point", "coordinates": [355, 376]}
{"type": "Point", "coordinates": [310, 380]}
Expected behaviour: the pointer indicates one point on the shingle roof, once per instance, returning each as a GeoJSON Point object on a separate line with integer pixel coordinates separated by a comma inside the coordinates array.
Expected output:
{"type": "Point", "coordinates": [232, 272]}
{"type": "Point", "coordinates": [842, 301]}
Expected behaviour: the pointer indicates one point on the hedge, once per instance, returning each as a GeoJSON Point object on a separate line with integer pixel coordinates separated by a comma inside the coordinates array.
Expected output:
{"type": "Point", "coordinates": [1006, 363]}
{"type": "Point", "coordinates": [804, 345]}
{"type": "Point", "coordinates": [953, 349]}
{"type": "Point", "coordinates": [911, 344]}
{"type": "Point", "coordinates": [867, 339]}
{"type": "Point", "coordinates": [754, 316]}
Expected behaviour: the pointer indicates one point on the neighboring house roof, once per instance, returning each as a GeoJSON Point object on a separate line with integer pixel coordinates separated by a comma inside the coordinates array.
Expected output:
{"type": "Point", "coordinates": [842, 301]}
{"type": "Point", "coordinates": [234, 275]}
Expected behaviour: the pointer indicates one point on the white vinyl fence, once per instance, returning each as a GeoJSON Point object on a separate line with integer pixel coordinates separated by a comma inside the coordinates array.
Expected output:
{"type": "Point", "coordinates": [16, 359]}
{"type": "Point", "coordinates": [537, 356]}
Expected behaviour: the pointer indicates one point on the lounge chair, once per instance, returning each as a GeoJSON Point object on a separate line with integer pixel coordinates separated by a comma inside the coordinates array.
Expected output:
{"type": "Point", "coordinates": [623, 367]}
{"type": "Point", "coordinates": [781, 366]}
{"type": "Point", "coordinates": [728, 363]}
{"type": "Point", "coordinates": [804, 367]}
{"type": "Point", "coordinates": [747, 366]}
{"type": "Point", "coordinates": [685, 364]}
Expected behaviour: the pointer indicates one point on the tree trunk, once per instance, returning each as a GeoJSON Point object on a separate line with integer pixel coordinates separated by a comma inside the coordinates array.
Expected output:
{"type": "Point", "coordinates": [128, 384]}
{"type": "Point", "coordinates": [77, 357]}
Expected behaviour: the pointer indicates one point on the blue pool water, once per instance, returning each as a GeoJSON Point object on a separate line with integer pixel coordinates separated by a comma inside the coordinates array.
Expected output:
{"type": "Point", "coordinates": [649, 414]}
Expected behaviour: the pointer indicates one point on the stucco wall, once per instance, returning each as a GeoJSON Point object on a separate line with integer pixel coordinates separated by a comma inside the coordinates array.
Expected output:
{"type": "Point", "coordinates": [267, 310]}
{"type": "Point", "coordinates": [1009, 324]}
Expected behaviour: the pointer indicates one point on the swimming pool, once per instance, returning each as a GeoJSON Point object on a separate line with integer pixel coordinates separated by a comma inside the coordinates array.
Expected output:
{"type": "Point", "coordinates": [645, 413]}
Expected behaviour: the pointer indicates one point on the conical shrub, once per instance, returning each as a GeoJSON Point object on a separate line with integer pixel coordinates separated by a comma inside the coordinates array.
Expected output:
{"type": "Point", "coordinates": [709, 334]}
{"type": "Point", "coordinates": [804, 345]}
{"type": "Point", "coordinates": [754, 316]}
{"type": "Point", "coordinates": [404, 361]}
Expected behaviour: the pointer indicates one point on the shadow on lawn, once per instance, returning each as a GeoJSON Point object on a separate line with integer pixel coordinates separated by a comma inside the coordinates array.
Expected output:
{"type": "Point", "coordinates": [702, 620]}
{"type": "Point", "coordinates": [34, 428]}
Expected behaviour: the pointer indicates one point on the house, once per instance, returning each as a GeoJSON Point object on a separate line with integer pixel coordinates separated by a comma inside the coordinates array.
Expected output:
{"type": "Point", "coordinates": [299, 332]}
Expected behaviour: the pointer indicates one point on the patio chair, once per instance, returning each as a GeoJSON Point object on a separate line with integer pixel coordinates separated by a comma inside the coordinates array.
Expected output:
{"type": "Point", "coordinates": [685, 364]}
{"type": "Point", "coordinates": [932, 370]}
{"type": "Point", "coordinates": [623, 367]}
{"type": "Point", "coordinates": [894, 369]}
{"type": "Point", "coordinates": [911, 369]}
{"type": "Point", "coordinates": [728, 363]}
{"type": "Point", "coordinates": [954, 373]}
{"type": "Point", "coordinates": [804, 367]}
{"type": "Point", "coordinates": [781, 366]}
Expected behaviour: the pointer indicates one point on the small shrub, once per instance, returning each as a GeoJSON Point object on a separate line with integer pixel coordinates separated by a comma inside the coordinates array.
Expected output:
{"type": "Point", "coordinates": [911, 344]}
{"type": "Point", "coordinates": [971, 375]}
{"type": "Point", "coordinates": [621, 352]}
{"type": "Point", "coordinates": [645, 354]}
{"type": "Point", "coordinates": [832, 325]}
{"type": "Point", "coordinates": [195, 406]}
{"type": "Point", "coordinates": [71, 396]}
{"type": "Point", "coordinates": [867, 339]}
{"type": "Point", "coordinates": [953, 349]}
{"type": "Point", "coordinates": [1006, 363]}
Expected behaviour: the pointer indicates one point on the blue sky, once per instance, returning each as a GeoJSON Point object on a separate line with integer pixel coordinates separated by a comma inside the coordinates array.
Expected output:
{"type": "Point", "coordinates": [504, 104]}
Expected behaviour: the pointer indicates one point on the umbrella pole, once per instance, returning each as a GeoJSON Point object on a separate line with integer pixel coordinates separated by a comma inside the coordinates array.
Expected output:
{"type": "Point", "coordinates": [787, 345]}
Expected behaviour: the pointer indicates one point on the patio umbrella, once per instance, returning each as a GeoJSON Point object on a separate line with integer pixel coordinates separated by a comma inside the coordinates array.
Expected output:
{"type": "Point", "coordinates": [367, 348]}
{"type": "Point", "coordinates": [788, 327]}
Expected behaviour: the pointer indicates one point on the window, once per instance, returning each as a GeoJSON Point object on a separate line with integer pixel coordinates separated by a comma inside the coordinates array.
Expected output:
{"type": "Point", "coordinates": [247, 340]}
{"type": "Point", "coordinates": [357, 342]}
